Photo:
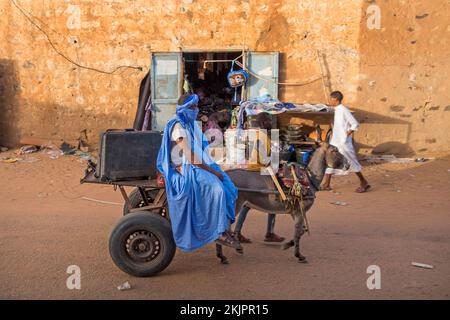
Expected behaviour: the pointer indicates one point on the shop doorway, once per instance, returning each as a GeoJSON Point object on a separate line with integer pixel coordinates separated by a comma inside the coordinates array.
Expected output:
{"type": "Point", "coordinates": [205, 73]}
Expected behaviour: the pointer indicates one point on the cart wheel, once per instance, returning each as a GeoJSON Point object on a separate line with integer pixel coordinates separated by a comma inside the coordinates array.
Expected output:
{"type": "Point", "coordinates": [136, 201]}
{"type": "Point", "coordinates": [141, 244]}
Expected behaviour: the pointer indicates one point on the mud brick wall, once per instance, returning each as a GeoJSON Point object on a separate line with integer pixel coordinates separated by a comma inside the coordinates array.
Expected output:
{"type": "Point", "coordinates": [404, 89]}
{"type": "Point", "coordinates": [393, 75]}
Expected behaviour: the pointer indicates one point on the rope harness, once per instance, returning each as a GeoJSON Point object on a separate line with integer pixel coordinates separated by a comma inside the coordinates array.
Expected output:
{"type": "Point", "coordinates": [295, 202]}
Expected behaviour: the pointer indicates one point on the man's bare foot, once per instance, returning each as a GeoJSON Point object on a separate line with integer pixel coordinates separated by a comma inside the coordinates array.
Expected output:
{"type": "Point", "coordinates": [272, 237]}
{"type": "Point", "coordinates": [325, 188]}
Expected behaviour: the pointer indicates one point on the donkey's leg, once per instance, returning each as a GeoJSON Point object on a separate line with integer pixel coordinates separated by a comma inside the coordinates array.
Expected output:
{"type": "Point", "coordinates": [219, 254]}
{"type": "Point", "coordinates": [289, 243]}
{"type": "Point", "coordinates": [299, 224]}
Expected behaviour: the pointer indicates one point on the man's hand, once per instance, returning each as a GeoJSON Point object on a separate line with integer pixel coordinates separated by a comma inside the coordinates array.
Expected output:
{"type": "Point", "coordinates": [208, 168]}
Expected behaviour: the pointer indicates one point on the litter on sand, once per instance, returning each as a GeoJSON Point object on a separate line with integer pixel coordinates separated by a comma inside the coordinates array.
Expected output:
{"type": "Point", "coordinates": [11, 160]}
{"type": "Point", "coordinates": [67, 149]}
{"type": "Point", "coordinates": [393, 159]}
{"type": "Point", "coordinates": [3, 149]}
{"type": "Point", "coordinates": [422, 265]}
{"type": "Point", "coordinates": [28, 149]}
{"type": "Point", "coordinates": [124, 286]}
{"type": "Point", "coordinates": [55, 154]}
{"type": "Point", "coordinates": [84, 155]}
{"type": "Point", "coordinates": [339, 203]}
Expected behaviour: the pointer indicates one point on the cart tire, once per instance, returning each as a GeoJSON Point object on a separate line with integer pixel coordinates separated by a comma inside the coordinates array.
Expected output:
{"type": "Point", "coordinates": [136, 202]}
{"type": "Point", "coordinates": [141, 244]}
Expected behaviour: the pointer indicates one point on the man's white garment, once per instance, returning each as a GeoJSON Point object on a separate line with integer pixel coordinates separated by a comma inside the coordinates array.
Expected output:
{"type": "Point", "coordinates": [343, 123]}
{"type": "Point", "coordinates": [178, 132]}
{"type": "Point", "coordinates": [176, 153]}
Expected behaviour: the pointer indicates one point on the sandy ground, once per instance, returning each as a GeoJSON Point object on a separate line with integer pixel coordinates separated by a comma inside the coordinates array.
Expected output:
{"type": "Point", "coordinates": [45, 226]}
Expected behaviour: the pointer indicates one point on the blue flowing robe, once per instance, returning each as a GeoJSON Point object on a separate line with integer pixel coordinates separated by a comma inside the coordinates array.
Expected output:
{"type": "Point", "coordinates": [201, 206]}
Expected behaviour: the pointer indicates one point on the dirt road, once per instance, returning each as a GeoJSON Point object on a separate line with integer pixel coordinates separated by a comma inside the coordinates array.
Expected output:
{"type": "Point", "coordinates": [45, 226]}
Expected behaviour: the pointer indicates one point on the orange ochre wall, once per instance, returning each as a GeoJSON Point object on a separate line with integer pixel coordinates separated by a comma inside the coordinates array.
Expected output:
{"type": "Point", "coordinates": [394, 75]}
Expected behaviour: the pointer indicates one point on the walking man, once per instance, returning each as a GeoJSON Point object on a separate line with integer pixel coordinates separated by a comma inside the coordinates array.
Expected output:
{"type": "Point", "coordinates": [343, 128]}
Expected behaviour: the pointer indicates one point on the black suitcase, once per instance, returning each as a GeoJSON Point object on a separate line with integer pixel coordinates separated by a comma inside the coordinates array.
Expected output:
{"type": "Point", "coordinates": [128, 155]}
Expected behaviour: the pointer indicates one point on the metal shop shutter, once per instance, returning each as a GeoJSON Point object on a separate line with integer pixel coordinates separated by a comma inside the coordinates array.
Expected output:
{"type": "Point", "coordinates": [265, 65]}
{"type": "Point", "coordinates": [166, 76]}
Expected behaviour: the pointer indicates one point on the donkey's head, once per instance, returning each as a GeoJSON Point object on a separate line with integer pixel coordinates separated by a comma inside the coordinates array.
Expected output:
{"type": "Point", "coordinates": [333, 158]}
{"type": "Point", "coordinates": [327, 156]}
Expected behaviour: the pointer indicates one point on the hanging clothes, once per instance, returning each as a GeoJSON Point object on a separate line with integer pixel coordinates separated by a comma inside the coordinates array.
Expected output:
{"type": "Point", "coordinates": [201, 206]}
{"type": "Point", "coordinates": [143, 101]}
{"type": "Point", "coordinates": [343, 122]}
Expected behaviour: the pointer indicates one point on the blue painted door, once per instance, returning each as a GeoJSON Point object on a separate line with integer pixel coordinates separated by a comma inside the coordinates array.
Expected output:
{"type": "Point", "coordinates": [167, 75]}
{"type": "Point", "coordinates": [265, 66]}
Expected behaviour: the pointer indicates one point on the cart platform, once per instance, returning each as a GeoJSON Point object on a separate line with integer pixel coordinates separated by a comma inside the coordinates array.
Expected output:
{"type": "Point", "coordinates": [91, 178]}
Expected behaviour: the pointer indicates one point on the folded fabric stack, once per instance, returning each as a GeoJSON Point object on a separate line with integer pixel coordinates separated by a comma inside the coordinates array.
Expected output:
{"type": "Point", "coordinates": [260, 104]}
{"type": "Point", "coordinates": [266, 103]}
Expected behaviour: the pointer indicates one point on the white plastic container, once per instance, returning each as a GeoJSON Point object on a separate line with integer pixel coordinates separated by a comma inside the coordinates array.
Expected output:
{"type": "Point", "coordinates": [235, 147]}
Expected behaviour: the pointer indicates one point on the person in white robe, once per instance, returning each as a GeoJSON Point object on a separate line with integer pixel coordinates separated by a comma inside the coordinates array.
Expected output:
{"type": "Point", "coordinates": [343, 128]}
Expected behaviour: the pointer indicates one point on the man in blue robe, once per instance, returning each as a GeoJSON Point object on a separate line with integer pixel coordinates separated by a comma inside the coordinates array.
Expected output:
{"type": "Point", "coordinates": [201, 197]}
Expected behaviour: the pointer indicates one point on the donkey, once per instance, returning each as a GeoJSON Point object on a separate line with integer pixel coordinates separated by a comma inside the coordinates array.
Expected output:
{"type": "Point", "coordinates": [324, 156]}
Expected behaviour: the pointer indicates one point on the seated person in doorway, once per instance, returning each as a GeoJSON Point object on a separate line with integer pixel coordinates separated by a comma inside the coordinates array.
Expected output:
{"type": "Point", "coordinates": [203, 96]}
{"type": "Point", "coordinates": [201, 197]}
{"type": "Point", "coordinates": [344, 126]}
{"type": "Point", "coordinates": [265, 122]}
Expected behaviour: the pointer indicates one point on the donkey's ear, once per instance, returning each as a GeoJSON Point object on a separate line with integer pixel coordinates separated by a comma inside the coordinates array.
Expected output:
{"type": "Point", "coordinates": [328, 135]}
